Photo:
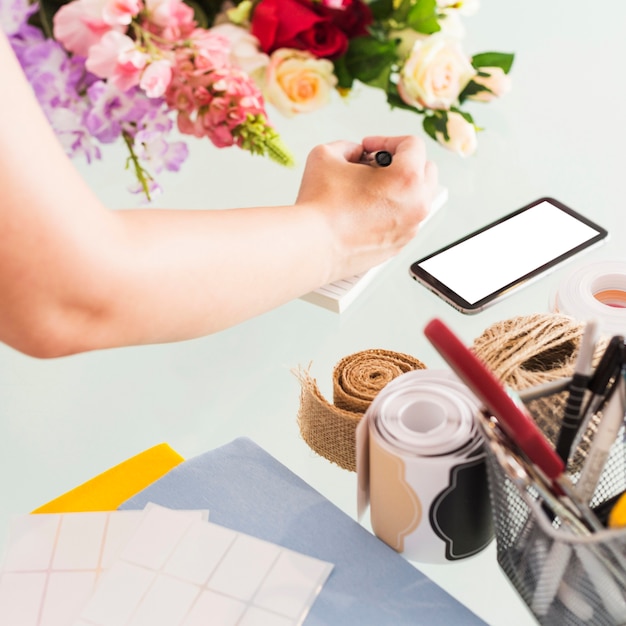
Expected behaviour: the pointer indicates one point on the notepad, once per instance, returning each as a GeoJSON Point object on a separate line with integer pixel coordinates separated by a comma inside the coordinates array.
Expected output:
{"type": "Point", "coordinates": [339, 295]}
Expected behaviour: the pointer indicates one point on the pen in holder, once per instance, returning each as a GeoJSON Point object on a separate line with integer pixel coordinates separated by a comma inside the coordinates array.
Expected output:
{"type": "Point", "coordinates": [566, 570]}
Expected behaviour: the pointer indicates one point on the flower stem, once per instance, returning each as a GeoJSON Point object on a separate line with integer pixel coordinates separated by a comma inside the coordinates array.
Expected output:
{"type": "Point", "coordinates": [142, 175]}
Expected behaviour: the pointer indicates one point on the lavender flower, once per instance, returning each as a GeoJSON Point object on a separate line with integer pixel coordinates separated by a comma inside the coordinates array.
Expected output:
{"type": "Point", "coordinates": [83, 109]}
{"type": "Point", "coordinates": [14, 14]}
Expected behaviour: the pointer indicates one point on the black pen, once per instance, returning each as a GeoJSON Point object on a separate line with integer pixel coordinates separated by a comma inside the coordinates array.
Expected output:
{"type": "Point", "coordinates": [382, 158]}
{"type": "Point", "coordinates": [577, 388]}
{"type": "Point", "coordinates": [607, 371]}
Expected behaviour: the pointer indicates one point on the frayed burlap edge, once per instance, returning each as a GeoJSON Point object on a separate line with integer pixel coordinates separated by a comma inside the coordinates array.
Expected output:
{"type": "Point", "coordinates": [330, 429]}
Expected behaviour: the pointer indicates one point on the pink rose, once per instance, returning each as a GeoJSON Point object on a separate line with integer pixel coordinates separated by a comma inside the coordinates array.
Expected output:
{"type": "Point", "coordinates": [497, 82]}
{"type": "Point", "coordinates": [116, 58]}
{"type": "Point", "coordinates": [461, 135]}
{"type": "Point", "coordinates": [156, 78]}
{"type": "Point", "coordinates": [79, 25]}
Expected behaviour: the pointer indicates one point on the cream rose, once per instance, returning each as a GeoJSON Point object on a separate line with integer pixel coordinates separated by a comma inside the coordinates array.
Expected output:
{"type": "Point", "coordinates": [435, 73]}
{"type": "Point", "coordinates": [497, 82]}
{"type": "Point", "coordinates": [461, 135]}
{"type": "Point", "coordinates": [298, 82]}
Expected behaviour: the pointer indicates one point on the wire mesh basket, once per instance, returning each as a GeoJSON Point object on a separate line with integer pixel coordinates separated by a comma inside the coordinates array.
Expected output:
{"type": "Point", "coordinates": [564, 578]}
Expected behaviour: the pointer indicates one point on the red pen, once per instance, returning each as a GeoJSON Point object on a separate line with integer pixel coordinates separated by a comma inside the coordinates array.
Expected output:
{"type": "Point", "coordinates": [512, 416]}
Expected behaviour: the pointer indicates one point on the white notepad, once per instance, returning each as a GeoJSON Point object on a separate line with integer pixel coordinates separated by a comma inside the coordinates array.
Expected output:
{"type": "Point", "coordinates": [339, 295]}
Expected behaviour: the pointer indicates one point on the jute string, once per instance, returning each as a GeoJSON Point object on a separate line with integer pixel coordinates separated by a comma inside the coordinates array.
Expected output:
{"type": "Point", "coordinates": [329, 429]}
{"type": "Point", "coordinates": [530, 350]}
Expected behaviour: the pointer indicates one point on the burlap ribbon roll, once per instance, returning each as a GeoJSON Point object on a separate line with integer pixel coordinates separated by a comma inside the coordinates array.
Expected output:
{"type": "Point", "coordinates": [329, 429]}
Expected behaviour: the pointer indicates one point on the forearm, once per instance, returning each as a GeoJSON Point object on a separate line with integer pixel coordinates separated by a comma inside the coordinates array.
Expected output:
{"type": "Point", "coordinates": [164, 275]}
{"type": "Point", "coordinates": [196, 272]}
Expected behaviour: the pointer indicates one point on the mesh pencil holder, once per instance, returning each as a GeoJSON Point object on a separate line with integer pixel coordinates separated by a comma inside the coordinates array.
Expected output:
{"type": "Point", "coordinates": [564, 578]}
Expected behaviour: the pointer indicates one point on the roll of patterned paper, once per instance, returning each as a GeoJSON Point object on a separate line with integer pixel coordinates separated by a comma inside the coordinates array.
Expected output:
{"type": "Point", "coordinates": [595, 291]}
{"type": "Point", "coordinates": [421, 467]}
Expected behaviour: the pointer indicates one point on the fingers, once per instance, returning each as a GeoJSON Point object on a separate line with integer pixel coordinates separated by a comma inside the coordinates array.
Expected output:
{"type": "Point", "coordinates": [409, 149]}
{"type": "Point", "coordinates": [341, 150]}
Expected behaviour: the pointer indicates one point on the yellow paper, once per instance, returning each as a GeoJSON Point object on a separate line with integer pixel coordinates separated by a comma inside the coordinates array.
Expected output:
{"type": "Point", "coordinates": [107, 491]}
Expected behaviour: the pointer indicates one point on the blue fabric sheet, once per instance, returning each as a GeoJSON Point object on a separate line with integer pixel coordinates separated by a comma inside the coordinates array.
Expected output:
{"type": "Point", "coordinates": [248, 490]}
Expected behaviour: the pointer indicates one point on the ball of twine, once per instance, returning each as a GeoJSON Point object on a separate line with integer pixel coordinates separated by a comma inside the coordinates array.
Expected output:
{"type": "Point", "coordinates": [529, 350]}
{"type": "Point", "coordinates": [330, 429]}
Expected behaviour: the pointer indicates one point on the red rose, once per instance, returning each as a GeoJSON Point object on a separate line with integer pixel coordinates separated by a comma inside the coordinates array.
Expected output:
{"type": "Point", "coordinates": [351, 16]}
{"type": "Point", "coordinates": [297, 24]}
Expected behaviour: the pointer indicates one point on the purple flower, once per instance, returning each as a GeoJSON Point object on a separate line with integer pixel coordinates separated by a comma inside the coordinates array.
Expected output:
{"type": "Point", "coordinates": [109, 106]}
{"type": "Point", "coordinates": [83, 109]}
{"type": "Point", "coordinates": [156, 152]}
{"type": "Point", "coordinates": [14, 14]}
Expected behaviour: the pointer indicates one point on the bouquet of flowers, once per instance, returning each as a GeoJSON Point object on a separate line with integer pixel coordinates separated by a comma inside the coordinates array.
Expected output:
{"type": "Point", "coordinates": [109, 70]}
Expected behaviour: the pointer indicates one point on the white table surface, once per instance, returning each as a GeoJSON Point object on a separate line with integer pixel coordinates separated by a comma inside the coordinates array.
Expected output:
{"type": "Point", "coordinates": [560, 132]}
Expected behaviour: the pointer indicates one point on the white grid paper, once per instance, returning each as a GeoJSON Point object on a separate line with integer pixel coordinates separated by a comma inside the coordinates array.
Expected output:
{"type": "Point", "coordinates": [53, 562]}
{"type": "Point", "coordinates": [201, 569]}
{"type": "Point", "coordinates": [156, 567]}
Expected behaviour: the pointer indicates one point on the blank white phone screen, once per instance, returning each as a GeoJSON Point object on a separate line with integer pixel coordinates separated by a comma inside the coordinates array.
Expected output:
{"type": "Point", "coordinates": [481, 265]}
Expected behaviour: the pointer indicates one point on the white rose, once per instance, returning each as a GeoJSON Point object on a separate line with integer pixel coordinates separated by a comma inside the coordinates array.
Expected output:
{"type": "Point", "coordinates": [461, 135]}
{"type": "Point", "coordinates": [245, 52]}
{"type": "Point", "coordinates": [435, 73]}
{"type": "Point", "coordinates": [497, 82]}
{"type": "Point", "coordinates": [298, 82]}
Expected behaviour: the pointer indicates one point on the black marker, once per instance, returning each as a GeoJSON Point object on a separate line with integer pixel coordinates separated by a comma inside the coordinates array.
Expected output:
{"type": "Point", "coordinates": [577, 388]}
{"type": "Point", "coordinates": [601, 383]}
{"type": "Point", "coordinates": [382, 158]}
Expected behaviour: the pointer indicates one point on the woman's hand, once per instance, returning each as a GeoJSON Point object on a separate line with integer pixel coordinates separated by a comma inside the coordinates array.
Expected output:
{"type": "Point", "coordinates": [372, 212]}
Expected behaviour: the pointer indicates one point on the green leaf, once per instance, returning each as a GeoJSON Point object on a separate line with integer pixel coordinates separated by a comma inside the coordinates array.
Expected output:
{"type": "Point", "coordinates": [436, 123]}
{"type": "Point", "coordinates": [471, 89]}
{"type": "Point", "coordinates": [503, 60]}
{"type": "Point", "coordinates": [396, 102]}
{"type": "Point", "coordinates": [367, 58]}
{"type": "Point", "coordinates": [429, 126]}
{"type": "Point", "coordinates": [401, 11]}
{"type": "Point", "coordinates": [466, 116]}
{"type": "Point", "coordinates": [382, 80]}
{"type": "Point", "coordinates": [205, 11]}
{"type": "Point", "coordinates": [199, 14]}
{"type": "Point", "coordinates": [43, 18]}
{"type": "Point", "coordinates": [345, 79]}
{"type": "Point", "coordinates": [422, 17]}
{"type": "Point", "coordinates": [380, 8]}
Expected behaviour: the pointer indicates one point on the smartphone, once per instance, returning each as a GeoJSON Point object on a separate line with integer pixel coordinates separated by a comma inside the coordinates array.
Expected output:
{"type": "Point", "coordinates": [490, 263]}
